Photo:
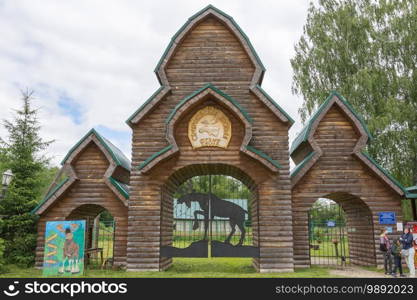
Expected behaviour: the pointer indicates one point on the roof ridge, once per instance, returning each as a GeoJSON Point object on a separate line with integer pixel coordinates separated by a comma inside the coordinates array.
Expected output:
{"type": "Point", "coordinates": [117, 155]}
{"type": "Point", "coordinates": [198, 13]}
{"type": "Point", "coordinates": [305, 131]}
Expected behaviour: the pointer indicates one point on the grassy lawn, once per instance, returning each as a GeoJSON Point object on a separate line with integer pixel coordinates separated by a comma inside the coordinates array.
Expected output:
{"type": "Point", "coordinates": [189, 268]}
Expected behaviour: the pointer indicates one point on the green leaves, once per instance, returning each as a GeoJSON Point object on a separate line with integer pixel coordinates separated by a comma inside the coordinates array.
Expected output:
{"type": "Point", "coordinates": [21, 153]}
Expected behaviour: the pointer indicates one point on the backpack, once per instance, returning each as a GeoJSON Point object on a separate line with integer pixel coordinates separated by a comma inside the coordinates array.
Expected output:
{"type": "Point", "coordinates": [383, 247]}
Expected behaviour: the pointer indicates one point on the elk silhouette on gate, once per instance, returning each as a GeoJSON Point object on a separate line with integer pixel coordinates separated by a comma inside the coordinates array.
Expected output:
{"type": "Point", "coordinates": [212, 206]}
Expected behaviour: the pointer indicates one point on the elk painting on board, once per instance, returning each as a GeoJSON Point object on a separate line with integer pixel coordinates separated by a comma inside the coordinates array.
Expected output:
{"type": "Point", "coordinates": [64, 248]}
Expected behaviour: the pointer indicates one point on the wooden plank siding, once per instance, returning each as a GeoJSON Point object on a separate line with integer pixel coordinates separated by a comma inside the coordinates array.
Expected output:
{"type": "Point", "coordinates": [209, 53]}
{"type": "Point", "coordinates": [88, 197]}
{"type": "Point", "coordinates": [340, 176]}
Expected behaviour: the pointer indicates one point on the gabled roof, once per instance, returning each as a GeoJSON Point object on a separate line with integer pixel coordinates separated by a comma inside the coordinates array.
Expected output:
{"type": "Point", "coordinates": [113, 153]}
{"type": "Point", "coordinates": [120, 186]}
{"type": "Point", "coordinates": [165, 88]}
{"type": "Point", "coordinates": [117, 155]}
{"type": "Point", "coordinates": [187, 26]}
{"type": "Point", "coordinates": [306, 136]}
{"type": "Point", "coordinates": [305, 132]}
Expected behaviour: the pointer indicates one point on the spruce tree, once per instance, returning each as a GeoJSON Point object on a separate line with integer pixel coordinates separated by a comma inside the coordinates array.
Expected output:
{"type": "Point", "coordinates": [23, 149]}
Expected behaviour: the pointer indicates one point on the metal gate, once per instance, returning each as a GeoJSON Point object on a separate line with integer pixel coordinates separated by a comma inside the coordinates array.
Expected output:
{"type": "Point", "coordinates": [328, 235]}
{"type": "Point", "coordinates": [100, 242]}
{"type": "Point", "coordinates": [212, 217]}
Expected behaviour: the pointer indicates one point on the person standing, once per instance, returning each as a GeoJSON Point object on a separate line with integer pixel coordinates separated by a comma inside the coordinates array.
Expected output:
{"type": "Point", "coordinates": [396, 253]}
{"type": "Point", "coordinates": [385, 247]}
{"type": "Point", "coordinates": [408, 250]}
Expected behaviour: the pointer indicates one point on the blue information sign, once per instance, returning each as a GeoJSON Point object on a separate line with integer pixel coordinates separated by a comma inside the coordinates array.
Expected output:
{"type": "Point", "coordinates": [331, 223]}
{"type": "Point", "coordinates": [387, 217]}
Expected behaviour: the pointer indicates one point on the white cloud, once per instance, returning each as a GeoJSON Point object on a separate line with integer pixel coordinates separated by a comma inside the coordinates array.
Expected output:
{"type": "Point", "coordinates": [101, 55]}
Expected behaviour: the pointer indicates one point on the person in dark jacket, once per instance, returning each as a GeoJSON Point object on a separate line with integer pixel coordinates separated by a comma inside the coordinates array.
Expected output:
{"type": "Point", "coordinates": [385, 247]}
{"type": "Point", "coordinates": [408, 250]}
{"type": "Point", "coordinates": [396, 253]}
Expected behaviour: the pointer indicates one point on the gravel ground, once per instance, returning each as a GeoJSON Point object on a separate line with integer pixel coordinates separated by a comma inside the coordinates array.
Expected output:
{"type": "Point", "coordinates": [355, 272]}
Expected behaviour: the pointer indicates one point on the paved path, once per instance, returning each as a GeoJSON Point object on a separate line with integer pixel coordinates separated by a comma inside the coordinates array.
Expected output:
{"type": "Point", "coordinates": [356, 272]}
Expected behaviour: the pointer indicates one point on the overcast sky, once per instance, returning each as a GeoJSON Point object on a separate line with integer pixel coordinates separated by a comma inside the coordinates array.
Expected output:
{"type": "Point", "coordinates": [90, 62]}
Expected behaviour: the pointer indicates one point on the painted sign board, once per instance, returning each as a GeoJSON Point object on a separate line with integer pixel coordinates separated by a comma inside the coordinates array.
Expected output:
{"type": "Point", "coordinates": [387, 218]}
{"type": "Point", "coordinates": [64, 248]}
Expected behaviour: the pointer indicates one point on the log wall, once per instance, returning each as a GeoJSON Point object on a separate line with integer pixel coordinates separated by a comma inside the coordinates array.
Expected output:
{"type": "Point", "coordinates": [210, 53]}
{"type": "Point", "coordinates": [85, 199]}
{"type": "Point", "coordinates": [339, 176]}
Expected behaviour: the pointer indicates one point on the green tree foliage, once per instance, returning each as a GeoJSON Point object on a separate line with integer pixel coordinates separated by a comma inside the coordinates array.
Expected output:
{"type": "Point", "coordinates": [225, 187]}
{"type": "Point", "coordinates": [3, 266]}
{"type": "Point", "coordinates": [3, 160]}
{"type": "Point", "coordinates": [367, 51]}
{"type": "Point", "coordinates": [324, 210]}
{"type": "Point", "coordinates": [23, 148]}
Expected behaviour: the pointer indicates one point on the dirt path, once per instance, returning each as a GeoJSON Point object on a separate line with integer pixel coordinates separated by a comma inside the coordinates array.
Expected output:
{"type": "Point", "coordinates": [358, 272]}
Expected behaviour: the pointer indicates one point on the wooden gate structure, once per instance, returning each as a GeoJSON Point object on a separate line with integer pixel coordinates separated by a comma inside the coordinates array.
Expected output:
{"type": "Point", "coordinates": [211, 117]}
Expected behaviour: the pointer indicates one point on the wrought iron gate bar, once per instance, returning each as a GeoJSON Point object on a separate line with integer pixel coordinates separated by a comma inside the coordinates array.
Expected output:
{"type": "Point", "coordinates": [212, 212]}
{"type": "Point", "coordinates": [328, 235]}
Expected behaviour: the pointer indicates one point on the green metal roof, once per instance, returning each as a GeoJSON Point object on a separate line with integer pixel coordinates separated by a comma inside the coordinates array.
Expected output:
{"type": "Point", "coordinates": [258, 60]}
{"type": "Point", "coordinates": [218, 91]}
{"type": "Point", "coordinates": [412, 189]}
{"type": "Point", "coordinates": [411, 192]}
{"type": "Point", "coordinates": [50, 194]}
{"type": "Point", "coordinates": [120, 186]}
{"type": "Point", "coordinates": [264, 156]}
{"type": "Point", "coordinates": [302, 164]}
{"type": "Point", "coordinates": [305, 132]}
{"type": "Point", "coordinates": [169, 147]}
{"type": "Point", "coordinates": [153, 156]}
{"type": "Point", "coordinates": [392, 179]}
{"type": "Point", "coordinates": [145, 104]}
{"type": "Point", "coordinates": [274, 103]}
{"type": "Point", "coordinates": [119, 158]}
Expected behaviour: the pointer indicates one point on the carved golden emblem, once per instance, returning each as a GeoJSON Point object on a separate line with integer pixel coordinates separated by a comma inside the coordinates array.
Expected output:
{"type": "Point", "coordinates": [209, 127]}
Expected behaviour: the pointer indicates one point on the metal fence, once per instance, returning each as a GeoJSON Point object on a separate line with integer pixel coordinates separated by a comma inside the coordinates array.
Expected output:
{"type": "Point", "coordinates": [99, 254]}
{"type": "Point", "coordinates": [328, 236]}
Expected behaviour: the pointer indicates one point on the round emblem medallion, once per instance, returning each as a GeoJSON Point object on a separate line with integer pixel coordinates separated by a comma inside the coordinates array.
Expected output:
{"type": "Point", "coordinates": [209, 127]}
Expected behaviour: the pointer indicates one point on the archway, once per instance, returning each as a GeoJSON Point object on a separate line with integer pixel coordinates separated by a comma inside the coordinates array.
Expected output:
{"type": "Point", "coordinates": [341, 231]}
{"type": "Point", "coordinates": [209, 210]}
{"type": "Point", "coordinates": [100, 234]}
